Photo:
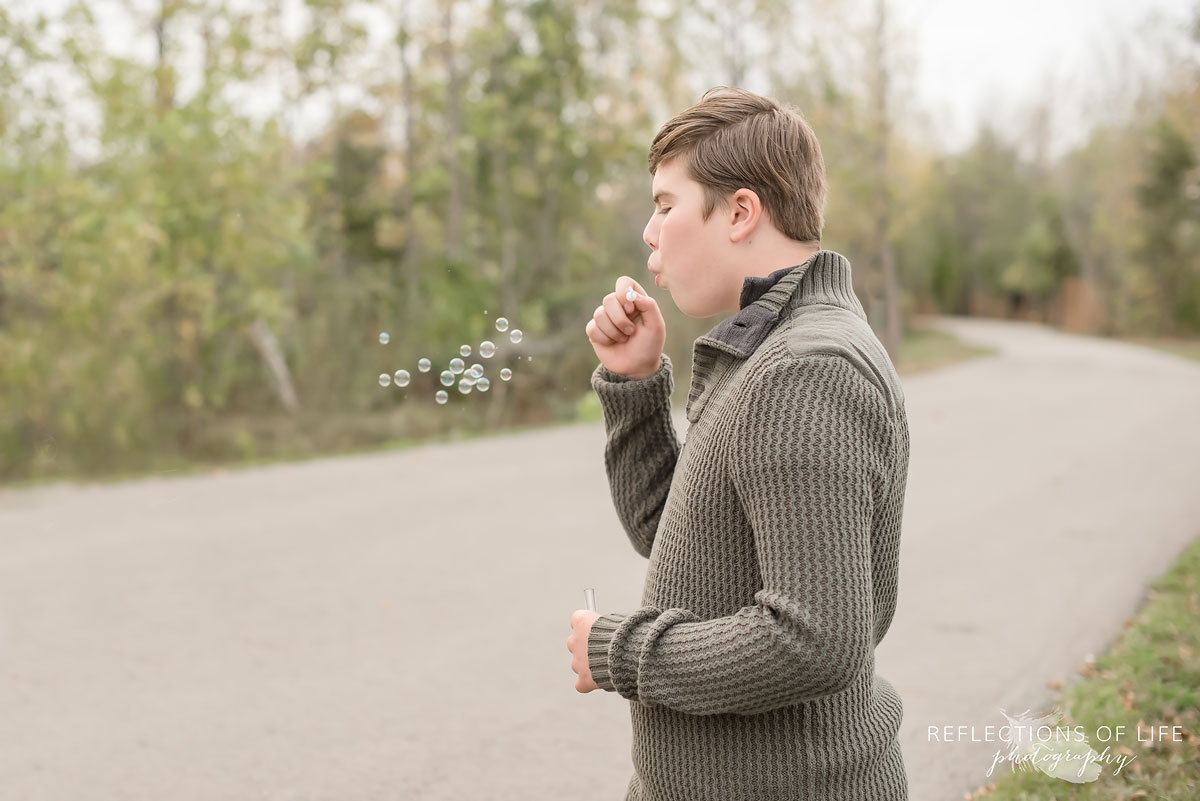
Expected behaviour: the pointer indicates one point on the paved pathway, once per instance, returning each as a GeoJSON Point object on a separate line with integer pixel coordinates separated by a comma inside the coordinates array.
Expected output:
{"type": "Point", "coordinates": [393, 626]}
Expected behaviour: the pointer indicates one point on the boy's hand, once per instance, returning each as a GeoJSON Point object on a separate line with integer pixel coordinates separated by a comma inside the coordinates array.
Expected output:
{"type": "Point", "coordinates": [581, 627]}
{"type": "Point", "coordinates": [628, 337]}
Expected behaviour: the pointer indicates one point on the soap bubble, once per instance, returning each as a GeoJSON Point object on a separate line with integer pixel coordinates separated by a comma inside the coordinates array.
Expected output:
{"type": "Point", "coordinates": [447, 378]}
{"type": "Point", "coordinates": [501, 324]}
{"type": "Point", "coordinates": [483, 384]}
{"type": "Point", "coordinates": [464, 386]}
{"type": "Point", "coordinates": [383, 337]}
{"type": "Point", "coordinates": [516, 335]}
{"type": "Point", "coordinates": [487, 349]}
{"type": "Point", "coordinates": [505, 374]}
{"type": "Point", "coordinates": [441, 397]}
{"type": "Point", "coordinates": [464, 351]}
{"type": "Point", "coordinates": [384, 379]}
{"type": "Point", "coordinates": [457, 365]}
{"type": "Point", "coordinates": [402, 378]}
{"type": "Point", "coordinates": [477, 369]}
{"type": "Point", "coordinates": [424, 365]}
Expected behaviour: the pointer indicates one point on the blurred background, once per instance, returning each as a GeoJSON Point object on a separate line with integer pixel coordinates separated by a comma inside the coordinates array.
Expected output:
{"type": "Point", "coordinates": [210, 209]}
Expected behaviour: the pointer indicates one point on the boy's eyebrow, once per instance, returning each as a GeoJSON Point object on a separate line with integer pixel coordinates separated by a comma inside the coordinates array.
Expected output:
{"type": "Point", "coordinates": [663, 194]}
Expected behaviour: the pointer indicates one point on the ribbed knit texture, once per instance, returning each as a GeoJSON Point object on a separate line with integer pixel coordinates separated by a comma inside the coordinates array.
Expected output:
{"type": "Point", "coordinates": [772, 535]}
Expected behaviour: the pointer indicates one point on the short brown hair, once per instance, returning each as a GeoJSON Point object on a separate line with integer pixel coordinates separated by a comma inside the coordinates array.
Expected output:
{"type": "Point", "coordinates": [734, 138]}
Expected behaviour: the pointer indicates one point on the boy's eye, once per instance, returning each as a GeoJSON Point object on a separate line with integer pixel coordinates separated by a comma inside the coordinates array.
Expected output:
{"type": "Point", "coordinates": [664, 211]}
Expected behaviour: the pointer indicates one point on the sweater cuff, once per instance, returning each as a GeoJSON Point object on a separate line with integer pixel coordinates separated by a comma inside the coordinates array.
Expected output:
{"type": "Point", "coordinates": [615, 646]}
{"type": "Point", "coordinates": [599, 642]}
{"type": "Point", "coordinates": [608, 383]}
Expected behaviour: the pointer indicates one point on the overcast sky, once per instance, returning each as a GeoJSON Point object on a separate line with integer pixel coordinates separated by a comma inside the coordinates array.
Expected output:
{"type": "Point", "coordinates": [974, 58]}
{"type": "Point", "coordinates": [975, 55]}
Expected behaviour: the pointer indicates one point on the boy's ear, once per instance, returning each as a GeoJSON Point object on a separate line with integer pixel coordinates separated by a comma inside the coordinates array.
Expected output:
{"type": "Point", "coordinates": [746, 213]}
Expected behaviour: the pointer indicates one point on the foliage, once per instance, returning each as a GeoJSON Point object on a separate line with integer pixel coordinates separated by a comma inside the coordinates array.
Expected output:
{"type": "Point", "coordinates": [188, 261]}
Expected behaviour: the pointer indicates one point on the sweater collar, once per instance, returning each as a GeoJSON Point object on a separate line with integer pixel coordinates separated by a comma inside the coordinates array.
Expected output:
{"type": "Point", "coordinates": [825, 278]}
{"type": "Point", "coordinates": [755, 286]}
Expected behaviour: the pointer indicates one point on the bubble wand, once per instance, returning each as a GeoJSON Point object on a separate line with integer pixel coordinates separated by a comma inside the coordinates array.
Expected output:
{"type": "Point", "coordinates": [589, 601]}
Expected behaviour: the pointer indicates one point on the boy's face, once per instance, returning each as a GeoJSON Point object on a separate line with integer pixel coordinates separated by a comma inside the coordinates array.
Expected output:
{"type": "Point", "coordinates": [689, 254]}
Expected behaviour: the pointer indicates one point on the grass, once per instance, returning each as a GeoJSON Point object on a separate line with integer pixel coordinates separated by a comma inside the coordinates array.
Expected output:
{"type": "Point", "coordinates": [1148, 677]}
{"type": "Point", "coordinates": [923, 349]}
{"type": "Point", "coordinates": [256, 442]}
{"type": "Point", "coordinates": [1187, 348]}
{"type": "Point", "coordinates": [260, 442]}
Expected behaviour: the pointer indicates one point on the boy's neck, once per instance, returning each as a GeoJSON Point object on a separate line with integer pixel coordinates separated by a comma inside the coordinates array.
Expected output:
{"type": "Point", "coordinates": [786, 254]}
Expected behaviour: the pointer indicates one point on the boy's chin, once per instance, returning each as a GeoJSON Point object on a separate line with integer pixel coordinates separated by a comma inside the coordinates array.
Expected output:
{"type": "Point", "coordinates": [699, 312]}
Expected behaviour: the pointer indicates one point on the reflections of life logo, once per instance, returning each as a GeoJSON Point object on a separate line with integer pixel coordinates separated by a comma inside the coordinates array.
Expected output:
{"type": "Point", "coordinates": [1040, 743]}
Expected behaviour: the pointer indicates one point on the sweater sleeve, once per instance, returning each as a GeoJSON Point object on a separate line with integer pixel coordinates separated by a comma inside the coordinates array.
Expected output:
{"type": "Point", "coordinates": [642, 447]}
{"type": "Point", "coordinates": [811, 443]}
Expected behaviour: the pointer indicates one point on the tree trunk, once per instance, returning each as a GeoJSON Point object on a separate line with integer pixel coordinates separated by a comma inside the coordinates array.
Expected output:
{"type": "Point", "coordinates": [411, 262]}
{"type": "Point", "coordinates": [886, 251]}
{"type": "Point", "coordinates": [454, 212]}
{"type": "Point", "coordinates": [272, 356]}
{"type": "Point", "coordinates": [502, 206]}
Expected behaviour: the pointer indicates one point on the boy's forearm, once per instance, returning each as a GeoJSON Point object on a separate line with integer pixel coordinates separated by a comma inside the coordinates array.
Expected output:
{"type": "Point", "coordinates": [642, 447]}
{"type": "Point", "coordinates": [761, 658]}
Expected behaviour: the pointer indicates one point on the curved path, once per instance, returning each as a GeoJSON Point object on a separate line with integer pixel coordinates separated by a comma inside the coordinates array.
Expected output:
{"type": "Point", "coordinates": [393, 626]}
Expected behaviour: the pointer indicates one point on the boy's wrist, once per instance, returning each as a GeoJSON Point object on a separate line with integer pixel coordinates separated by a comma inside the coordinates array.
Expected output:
{"type": "Point", "coordinates": [642, 375]}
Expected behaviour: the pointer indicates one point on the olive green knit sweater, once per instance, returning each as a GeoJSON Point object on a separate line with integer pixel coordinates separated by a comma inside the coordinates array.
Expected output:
{"type": "Point", "coordinates": [773, 534]}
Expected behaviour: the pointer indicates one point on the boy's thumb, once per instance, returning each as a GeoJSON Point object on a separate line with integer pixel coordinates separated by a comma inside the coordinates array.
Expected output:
{"type": "Point", "coordinates": [637, 297]}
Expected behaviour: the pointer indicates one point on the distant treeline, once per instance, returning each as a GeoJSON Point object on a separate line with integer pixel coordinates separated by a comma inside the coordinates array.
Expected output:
{"type": "Point", "coordinates": [184, 278]}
